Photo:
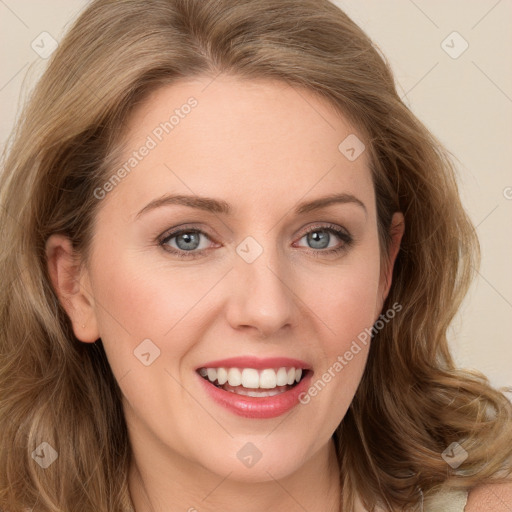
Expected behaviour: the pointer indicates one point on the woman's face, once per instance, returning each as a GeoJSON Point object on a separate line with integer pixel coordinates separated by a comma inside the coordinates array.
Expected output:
{"type": "Point", "coordinates": [245, 283]}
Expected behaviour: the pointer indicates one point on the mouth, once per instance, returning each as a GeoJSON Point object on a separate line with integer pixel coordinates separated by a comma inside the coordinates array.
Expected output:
{"type": "Point", "coordinates": [255, 388]}
{"type": "Point", "coordinates": [253, 382]}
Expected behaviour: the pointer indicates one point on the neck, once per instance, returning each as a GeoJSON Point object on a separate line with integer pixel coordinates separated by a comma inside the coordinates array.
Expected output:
{"type": "Point", "coordinates": [181, 486]}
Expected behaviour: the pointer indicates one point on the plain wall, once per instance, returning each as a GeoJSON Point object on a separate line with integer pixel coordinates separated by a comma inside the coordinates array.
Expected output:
{"type": "Point", "coordinates": [465, 101]}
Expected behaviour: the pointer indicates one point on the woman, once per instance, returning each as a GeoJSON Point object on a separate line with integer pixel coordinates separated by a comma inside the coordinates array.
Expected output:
{"type": "Point", "coordinates": [231, 255]}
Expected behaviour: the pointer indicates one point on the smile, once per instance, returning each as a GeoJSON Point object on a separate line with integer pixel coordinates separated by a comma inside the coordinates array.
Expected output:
{"type": "Point", "coordinates": [262, 392]}
{"type": "Point", "coordinates": [238, 380]}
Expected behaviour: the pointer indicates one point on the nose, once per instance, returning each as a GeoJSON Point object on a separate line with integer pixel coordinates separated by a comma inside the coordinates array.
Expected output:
{"type": "Point", "coordinates": [261, 295]}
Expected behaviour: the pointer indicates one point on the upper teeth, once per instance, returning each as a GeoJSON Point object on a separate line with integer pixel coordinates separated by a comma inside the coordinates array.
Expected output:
{"type": "Point", "coordinates": [251, 378]}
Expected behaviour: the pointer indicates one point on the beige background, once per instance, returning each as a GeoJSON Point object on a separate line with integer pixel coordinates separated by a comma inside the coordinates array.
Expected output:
{"type": "Point", "coordinates": [465, 101]}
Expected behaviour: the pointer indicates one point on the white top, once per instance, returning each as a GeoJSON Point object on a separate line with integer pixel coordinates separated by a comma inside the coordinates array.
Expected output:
{"type": "Point", "coordinates": [443, 501]}
{"type": "Point", "coordinates": [446, 501]}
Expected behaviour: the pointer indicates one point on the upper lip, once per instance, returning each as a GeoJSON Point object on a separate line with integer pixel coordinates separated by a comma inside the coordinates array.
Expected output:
{"type": "Point", "coordinates": [256, 363]}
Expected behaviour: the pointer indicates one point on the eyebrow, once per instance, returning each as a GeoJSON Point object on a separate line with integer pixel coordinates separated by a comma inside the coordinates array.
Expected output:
{"type": "Point", "coordinates": [219, 206]}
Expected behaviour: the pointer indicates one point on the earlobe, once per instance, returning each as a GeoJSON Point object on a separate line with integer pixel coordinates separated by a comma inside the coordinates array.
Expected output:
{"type": "Point", "coordinates": [68, 281]}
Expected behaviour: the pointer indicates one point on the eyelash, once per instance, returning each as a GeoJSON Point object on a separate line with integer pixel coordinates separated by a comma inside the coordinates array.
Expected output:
{"type": "Point", "coordinates": [332, 228]}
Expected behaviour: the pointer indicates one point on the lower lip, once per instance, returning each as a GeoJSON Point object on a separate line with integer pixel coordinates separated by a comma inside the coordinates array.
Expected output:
{"type": "Point", "coordinates": [258, 407]}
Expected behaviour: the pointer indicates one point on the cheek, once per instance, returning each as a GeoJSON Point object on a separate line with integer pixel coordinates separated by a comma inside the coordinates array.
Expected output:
{"type": "Point", "coordinates": [144, 296]}
{"type": "Point", "coordinates": [347, 299]}
{"type": "Point", "coordinates": [140, 299]}
{"type": "Point", "coordinates": [136, 302]}
{"type": "Point", "coordinates": [346, 305]}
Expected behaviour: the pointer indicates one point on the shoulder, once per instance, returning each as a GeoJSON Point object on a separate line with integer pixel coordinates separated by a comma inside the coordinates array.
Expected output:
{"type": "Point", "coordinates": [490, 498]}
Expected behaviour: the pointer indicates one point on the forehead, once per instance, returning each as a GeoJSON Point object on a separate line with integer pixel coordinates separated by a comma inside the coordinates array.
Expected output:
{"type": "Point", "coordinates": [250, 139]}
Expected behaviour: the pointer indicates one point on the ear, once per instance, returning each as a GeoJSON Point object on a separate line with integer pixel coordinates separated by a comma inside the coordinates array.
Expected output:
{"type": "Point", "coordinates": [72, 286]}
{"type": "Point", "coordinates": [396, 232]}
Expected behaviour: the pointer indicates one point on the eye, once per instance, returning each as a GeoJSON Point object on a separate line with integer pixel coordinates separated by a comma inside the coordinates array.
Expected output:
{"type": "Point", "coordinates": [321, 238]}
{"type": "Point", "coordinates": [185, 243]}
{"type": "Point", "coordinates": [192, 242]}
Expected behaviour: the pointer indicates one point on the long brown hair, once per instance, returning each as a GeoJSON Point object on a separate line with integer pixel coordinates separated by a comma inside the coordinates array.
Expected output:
{"type": "Point", "coordinates": [412, 402]}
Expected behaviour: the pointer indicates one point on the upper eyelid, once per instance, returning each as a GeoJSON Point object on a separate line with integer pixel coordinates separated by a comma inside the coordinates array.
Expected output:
{"type": "Point", "coordinates": [341, 232]}
{"type": "Point", "coordinates": [182, 229]}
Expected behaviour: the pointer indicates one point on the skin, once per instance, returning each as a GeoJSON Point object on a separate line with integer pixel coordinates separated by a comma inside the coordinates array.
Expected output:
{"type": "Point", "coordinates": [490, 497]}
{"type": "Point", "coordinates": [261, 146]}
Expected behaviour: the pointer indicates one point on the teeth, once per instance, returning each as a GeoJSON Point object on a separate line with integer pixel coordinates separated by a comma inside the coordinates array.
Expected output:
{"type": "Point", "coordinates": [250, 378]}
{"type": "Point", "coordinates": [255, 394]}
{"type": "Point", "coordinates": [222, 376]}
{"type": "Point", "coordinates": [212, 374]}
{"type": "Point", "coordinates": [268, 379]}
{"type": "Point", "coordinates": [234, 377]}
{"type": "Point", "coordinates": [282, 377]}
